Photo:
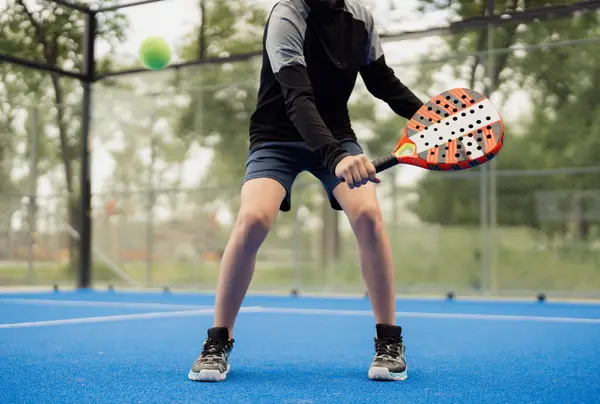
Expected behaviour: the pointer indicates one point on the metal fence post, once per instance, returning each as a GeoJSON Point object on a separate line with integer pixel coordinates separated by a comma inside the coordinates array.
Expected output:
{"type": "Point", "coordinates": [32, 191]}
{"type": "Point", "coordinates": [150, 236]}
{"type": "Point", "coordinates": [85, 197]}
{"type": "Point", "coordinates": [491, 239]}
{"type": "Point", "coordinates": [296, 250]}
{"type": "Point", "coordinates": [151, 197]}
{"type": "Point", "coordinates": [484, 228]}
{"type": "Point", "coordinates": [484, 185]}
{"type": "Point", "coordinates": [492, 244]}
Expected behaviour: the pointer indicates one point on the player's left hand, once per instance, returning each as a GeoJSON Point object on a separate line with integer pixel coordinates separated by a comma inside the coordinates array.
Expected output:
{"type": "Point", "coordinates": [356, 171]}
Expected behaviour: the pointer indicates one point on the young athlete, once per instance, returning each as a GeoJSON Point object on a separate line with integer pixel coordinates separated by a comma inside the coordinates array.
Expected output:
{"type": "Point", "coordinates": [313, 53]}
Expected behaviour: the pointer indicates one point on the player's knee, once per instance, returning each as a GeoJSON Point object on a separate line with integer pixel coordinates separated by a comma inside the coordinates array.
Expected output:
{"type": "Point", "coordinates": [255, 224]}
{"type": "Point", "coordinates": [366, 218]}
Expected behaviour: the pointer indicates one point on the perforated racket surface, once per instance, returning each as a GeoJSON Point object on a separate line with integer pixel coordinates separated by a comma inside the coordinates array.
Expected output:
{"type": "Point", "coordinates": [455, 130]}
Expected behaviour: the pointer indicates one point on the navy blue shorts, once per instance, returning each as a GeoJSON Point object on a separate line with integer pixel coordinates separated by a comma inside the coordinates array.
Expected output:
{"type": "Point", "coordinates": [283, 161]}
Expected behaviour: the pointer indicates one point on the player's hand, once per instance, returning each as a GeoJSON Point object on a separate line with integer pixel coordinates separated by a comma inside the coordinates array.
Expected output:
{"type": "Point", "coordinates": [356, 171]}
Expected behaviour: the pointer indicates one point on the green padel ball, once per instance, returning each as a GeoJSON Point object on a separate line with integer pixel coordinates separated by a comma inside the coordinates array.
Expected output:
{"type": "Point", "coordinates": [155, 53]}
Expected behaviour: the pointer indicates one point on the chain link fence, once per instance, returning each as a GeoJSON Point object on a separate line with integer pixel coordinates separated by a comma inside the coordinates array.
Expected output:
{"type": "Point", "coordinates": [546, 239]}
{"type": "Point", "coordinates": [169, 148]}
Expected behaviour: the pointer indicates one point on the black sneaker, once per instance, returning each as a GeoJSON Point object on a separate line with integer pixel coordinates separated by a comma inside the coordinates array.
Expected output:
{"type": "Point", "coordinates": [389, 362]}
{"type": "Point", "coordinates": [213, 363]}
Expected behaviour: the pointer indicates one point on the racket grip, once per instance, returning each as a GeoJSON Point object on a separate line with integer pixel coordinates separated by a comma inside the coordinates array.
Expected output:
{"type": "Point", "coordinates": [385, 162]}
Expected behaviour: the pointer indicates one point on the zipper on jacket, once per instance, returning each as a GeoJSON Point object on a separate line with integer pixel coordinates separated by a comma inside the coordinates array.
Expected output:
{"type": "Point", "coordinates": [341, 46]}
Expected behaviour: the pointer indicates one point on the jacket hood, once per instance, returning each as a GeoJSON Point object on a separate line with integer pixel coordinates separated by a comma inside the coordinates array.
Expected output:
{"type": "Point", "coordinates": [321, 5]}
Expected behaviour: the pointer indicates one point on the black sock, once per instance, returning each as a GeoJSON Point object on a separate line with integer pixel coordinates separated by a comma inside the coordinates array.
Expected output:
{"type": "Point", "coordinates": [388, 331]}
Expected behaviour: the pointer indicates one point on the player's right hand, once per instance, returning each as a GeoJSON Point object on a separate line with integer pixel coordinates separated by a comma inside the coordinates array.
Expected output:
{"type": "Point", "coordinates": [356, 171]}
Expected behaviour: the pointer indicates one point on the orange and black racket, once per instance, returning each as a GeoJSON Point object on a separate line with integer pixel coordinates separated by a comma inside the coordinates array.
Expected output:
{"type": "Point", "coordinates": [456, 130]}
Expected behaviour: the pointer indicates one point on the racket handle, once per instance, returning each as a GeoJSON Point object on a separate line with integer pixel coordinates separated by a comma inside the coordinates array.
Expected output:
{"type": "Point", "coordinates": [385, 162]}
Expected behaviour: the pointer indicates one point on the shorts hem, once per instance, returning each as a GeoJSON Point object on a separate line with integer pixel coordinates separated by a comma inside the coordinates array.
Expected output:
{"type": "Point", "coordinates": [333, 202]}
{"type": "Point", "coordinates": [286, 203]}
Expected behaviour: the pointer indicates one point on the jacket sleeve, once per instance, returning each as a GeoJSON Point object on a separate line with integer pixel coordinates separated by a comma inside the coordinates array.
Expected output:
{"type": "Point", "coordinates": [284, 44]}
{"type": "Point", "coordinates": [381, 80]}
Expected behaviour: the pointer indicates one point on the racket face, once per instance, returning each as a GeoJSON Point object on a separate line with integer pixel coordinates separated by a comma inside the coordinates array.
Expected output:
{"type": "Point", "coordinates": [456, 130]}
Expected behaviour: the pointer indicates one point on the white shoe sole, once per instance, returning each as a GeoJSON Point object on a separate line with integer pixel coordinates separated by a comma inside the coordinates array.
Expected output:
{"type": "Point", "coordinates": [383, 374]}
{"type": "Point", "coordinates": [208, 375]}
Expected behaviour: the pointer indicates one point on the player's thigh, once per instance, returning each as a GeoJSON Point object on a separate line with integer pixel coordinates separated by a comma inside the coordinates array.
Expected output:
{"type": "Point", "coordinates": [359, 204]}
{"type": "Point", "coordinates": [331, 183]}
{"type": "Point", "coordinates": [259, 203]}
{"type": "Point", "coordinates": [260, 199]}
{"type": "Point", "coordinates": [270, 173]}
{"type": "Point", "coordinates": [275, 166]}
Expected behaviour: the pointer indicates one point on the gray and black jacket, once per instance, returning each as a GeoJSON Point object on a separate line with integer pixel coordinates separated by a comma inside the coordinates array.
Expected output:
{"type": "Point", "coordinates": [311, 59]}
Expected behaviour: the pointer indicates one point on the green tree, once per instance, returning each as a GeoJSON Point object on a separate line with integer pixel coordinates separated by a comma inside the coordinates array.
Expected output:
{"type": "Point", "coordinates": [223, 96]}
{"type": "Point", "coordinates": [45, 32]}
{"type": "Point", "coordinates": [562, 130]}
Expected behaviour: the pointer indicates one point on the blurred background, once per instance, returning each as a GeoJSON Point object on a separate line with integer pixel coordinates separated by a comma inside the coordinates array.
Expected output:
{"type": "Point", "coordinates": [167, 149]}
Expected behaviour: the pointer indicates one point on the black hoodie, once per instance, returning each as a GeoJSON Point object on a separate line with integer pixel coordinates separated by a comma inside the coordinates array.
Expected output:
{"type": "Point", "coordinates": [313, 53]}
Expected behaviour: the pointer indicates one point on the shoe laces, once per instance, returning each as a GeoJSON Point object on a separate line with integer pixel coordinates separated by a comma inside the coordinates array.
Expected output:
{"type": "Point", "coordinates": [213, 348]}
{"type": "Point", "coordinates": [388, 347]}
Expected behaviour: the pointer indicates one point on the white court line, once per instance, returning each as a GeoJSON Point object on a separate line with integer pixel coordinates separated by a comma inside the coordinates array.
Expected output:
{"type": "Point", "coordinates": [87, 303]}
{"type": "Point", "coordinates": [257, 309]}
{"type": "Point", "coordinates": [408, 314]}
{"type": "Point", "coordinates": [103, 319]}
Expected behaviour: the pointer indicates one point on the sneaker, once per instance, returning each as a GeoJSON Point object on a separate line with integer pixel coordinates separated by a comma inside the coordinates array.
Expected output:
{"type": "Point", "coordinates": [388, 363]}
{"type": "Point", "coordinates": [213, 363]}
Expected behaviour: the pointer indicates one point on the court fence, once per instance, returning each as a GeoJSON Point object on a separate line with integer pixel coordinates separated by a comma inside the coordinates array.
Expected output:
{"type": "Point", "coordinates": [154, 212]}
{"type": "Point", "coordinates": [546, 237]}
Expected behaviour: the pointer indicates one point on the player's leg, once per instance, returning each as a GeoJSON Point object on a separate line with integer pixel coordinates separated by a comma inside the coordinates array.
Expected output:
{"type": "Point", "coordinates": [364, 214]}
{"type": "Point", "coordinates": [265, 191]}
{"type": "Point", "coordinates": [375, 254]}
{"type": "Point", "coordinates": [362, 209]}
{"type": "Point", "coordinates": [260, 202]}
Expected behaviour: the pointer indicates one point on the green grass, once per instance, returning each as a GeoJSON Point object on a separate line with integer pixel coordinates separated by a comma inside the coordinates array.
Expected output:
{"type": "Point", "coordinates": [441, 258]}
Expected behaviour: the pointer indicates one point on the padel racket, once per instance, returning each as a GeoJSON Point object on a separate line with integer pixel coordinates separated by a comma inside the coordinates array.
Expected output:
{"type": "Point", "coordinates": [455, 130]}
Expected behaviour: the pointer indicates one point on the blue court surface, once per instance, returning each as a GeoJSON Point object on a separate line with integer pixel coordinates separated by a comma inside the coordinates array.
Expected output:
{"type": "Point", "coordinates": [110, 347]}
